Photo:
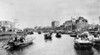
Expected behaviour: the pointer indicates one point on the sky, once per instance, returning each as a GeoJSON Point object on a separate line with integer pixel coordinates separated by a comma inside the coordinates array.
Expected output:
{"type": "Point", "coordinates": [31, 13]}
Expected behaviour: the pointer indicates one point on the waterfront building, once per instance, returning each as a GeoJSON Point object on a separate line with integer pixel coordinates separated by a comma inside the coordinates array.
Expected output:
{"type": "Point", "coordinates": [6, 26]}
{"type": "Point", "coordinates": [68, 25]}
{"type": "Point", "coordinates": [55, 24]}
{"type": "Point", "coordinates": [28, 29]}
{"type": "Point", "coordinates": [81, 23]}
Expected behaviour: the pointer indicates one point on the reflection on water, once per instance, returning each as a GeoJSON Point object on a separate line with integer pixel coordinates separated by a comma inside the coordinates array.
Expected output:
{"type": "Point", "coordinates": [97, 50]}
{"type": "Point", "coordinates": [48, 40]}
{"type": "Point", "coordinates": [84, 52]}
{"type": "Point", "coordinates": [62, 46]}
{"type": "Point", "coordinates": [18, 52]}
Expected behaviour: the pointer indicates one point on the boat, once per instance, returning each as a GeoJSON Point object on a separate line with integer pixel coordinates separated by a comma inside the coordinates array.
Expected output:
{"type": "Point", "coordinates": [74, 34]}
{"type": "Point", "coordinates": [69, 32]}
{"type": "Point", "coordinates": [96, 40]}
{"type": "Point", "coordinates": [39, 32]}
{"type": "Point", "coordinates": [48, 36]}
{"type": "Point", "coordinates": [12, 44]}
{"type": "Point", "coordinates": [58, 35]}
{"type": "Point", "coordinates": [82, 43]}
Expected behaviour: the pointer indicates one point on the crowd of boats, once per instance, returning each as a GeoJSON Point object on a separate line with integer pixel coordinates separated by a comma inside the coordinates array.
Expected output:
{"type": "Point", "coordinates": [18, 40]}
{"type": "Point", "coordinates": [49, 36]}
{"type": "Point", "coordinates": [86, 40]}
{"type": "Point", "coordinates": [22, 39]}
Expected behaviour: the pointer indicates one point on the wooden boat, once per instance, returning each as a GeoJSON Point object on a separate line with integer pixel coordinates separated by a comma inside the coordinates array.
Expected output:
{"type": "Point", "coordinates": [39, 32]}
{"type": "Point", "coordinates": [25, 43]}
{"type": "Point", "coordinates": [48, 36]}
{"type": "Point", "coordinates": [69, 32]}
{"type": "Point", "coordinates": [58, 35]}
{"type": "Point", "coordinates": [17, 44]}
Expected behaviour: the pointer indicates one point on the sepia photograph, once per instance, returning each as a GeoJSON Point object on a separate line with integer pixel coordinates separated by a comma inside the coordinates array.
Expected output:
{"type": "Point", "coordinates": [49, 27]}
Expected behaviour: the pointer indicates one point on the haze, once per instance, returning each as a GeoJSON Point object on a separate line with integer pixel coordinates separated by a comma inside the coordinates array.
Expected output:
{"type": "Point", "coordinates": [31, 13]}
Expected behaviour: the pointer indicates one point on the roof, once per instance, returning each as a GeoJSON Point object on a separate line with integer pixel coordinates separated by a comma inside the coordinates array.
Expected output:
{"type": "Point", "coordinates": [81, 18]}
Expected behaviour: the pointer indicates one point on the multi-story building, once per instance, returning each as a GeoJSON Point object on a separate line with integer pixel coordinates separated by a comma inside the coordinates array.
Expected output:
{"type": "Point", "coordinates": [81, 23]}
{"type": "Point", "coordinates": [55, 23]}
{"type": "Point", "coordinates": [68, 25]}
{"type": "Point", "coordinates": [6, 25]}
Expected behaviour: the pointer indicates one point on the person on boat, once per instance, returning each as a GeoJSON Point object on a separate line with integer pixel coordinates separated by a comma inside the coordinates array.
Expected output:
{"type": "Point", "coordinates": [15, 39]}
{"type": "Point", "coordinates": [97, 35]}
{"type": "Point", "coordinates": [11, 41]}
{"type": "Point", "coordinates": [22, 39]}
{"type": "Point", "coordinates": [84, 36]}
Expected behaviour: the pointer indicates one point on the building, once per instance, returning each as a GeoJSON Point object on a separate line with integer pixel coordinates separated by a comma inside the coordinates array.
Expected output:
{"type": "Point", "coordinates": [55, 23]}
{"type": "Point", "coordinates": [81, 23]}
{"type": "Point", "coordinates": [6, 25]}
{"type": "Point", "coordinates": [68, 25]}
{"type": "Point", "coordinates": [28, 29]}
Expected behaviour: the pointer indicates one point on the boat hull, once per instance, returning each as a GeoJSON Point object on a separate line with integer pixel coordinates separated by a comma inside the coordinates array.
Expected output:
{"type": "Point", "coordinates": [83, 45]}
{"type": "Point", "coordinates": [47, 36]}
{"type": "Point", "coordinates": [73, 35]}
{"type": "Point", "coordinates": [97, 42]}
{"type": "Point", "coordinates": [58, 35]}
{"type": "Point", "coordinates": [15, 47]}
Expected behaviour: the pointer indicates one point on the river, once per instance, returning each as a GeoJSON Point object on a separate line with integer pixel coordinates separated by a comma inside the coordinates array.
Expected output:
{"type": "Point", "coordinates": [56, 46]}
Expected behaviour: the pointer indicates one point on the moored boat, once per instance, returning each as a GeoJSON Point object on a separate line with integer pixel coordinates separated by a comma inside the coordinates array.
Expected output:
{"type": "Point", "coordinates": [74, 34]}
{"type": "Point", "coordinates": [17, 43]}
{"type": "Point", "coordinates": [82, 43]}
{"type": "Point", "coordinates": [96, 40]}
